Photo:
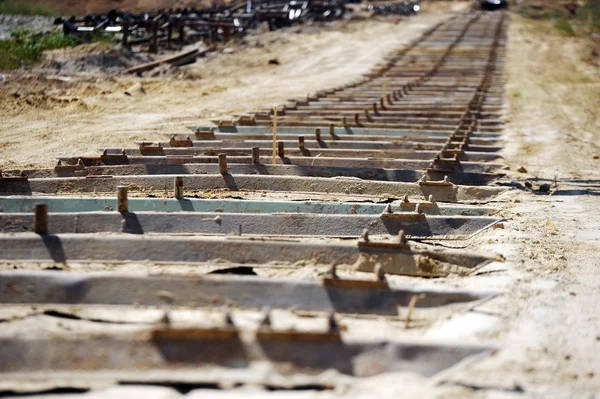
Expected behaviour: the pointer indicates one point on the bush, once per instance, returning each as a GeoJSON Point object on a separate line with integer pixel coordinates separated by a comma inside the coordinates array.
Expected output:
{"type": "Point", "coordinates": [564, 26]}
{"type": "Point", "coordinates": [590, 12]}
{"type": "Point", "coordinates": [25, 48]}
{"type": "Point", "coordinates": [585, 19]}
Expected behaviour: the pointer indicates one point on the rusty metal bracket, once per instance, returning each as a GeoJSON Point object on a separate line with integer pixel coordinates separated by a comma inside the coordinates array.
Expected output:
{"type": "Point", "coordinates": [174, 142]}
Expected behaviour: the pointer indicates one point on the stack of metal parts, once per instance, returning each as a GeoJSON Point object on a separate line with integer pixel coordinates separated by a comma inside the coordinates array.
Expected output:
{"type": "Point", "coordinates": [259, 256]}
{"type": "Point", "coordinates": [168, 27]}
{"type": "Point", "coordinates": [400, 8]}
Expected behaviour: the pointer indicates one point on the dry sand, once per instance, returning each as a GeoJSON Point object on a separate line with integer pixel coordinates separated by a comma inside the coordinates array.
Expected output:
{"type": "Point", "coordinates": [549, 322]}
{"type": "Point", "coordinates": [44, 117]}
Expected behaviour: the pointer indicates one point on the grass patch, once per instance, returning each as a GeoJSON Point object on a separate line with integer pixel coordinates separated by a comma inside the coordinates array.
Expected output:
{"type": "Point", "coordinates": [563, 25]}
{"type": "Point", "coordinates": [101, 38]}
{"type": "Point", "coordinates": [559, 18]}
{"type": "Point", "coordinates": [517, 94]}
{"type": "Point", "coordinates": [589, 15]}
{"type": "Point", "coordinates": [26, 8]}
{"type": "Point", "coordinates": [585, 20]}
{"type": "Point", "coordinates": [26, 48]}
{"type": "Point", "coordinates": [535, 12]}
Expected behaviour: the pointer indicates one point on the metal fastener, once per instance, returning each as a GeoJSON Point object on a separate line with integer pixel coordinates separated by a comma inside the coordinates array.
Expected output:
{"type": "Point", "coordinates": [122, 201]}
{"type": "Point", "coordinates": [178, 187]}
{"type": "Point", "coordinates": [41, 219]}
{"type": "Point", "coordinates": [222, 163]}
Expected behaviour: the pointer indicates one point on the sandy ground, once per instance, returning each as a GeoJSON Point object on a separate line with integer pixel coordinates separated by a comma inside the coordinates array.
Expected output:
{"type": "Point", "coordinates": [550, 320]}
{"type": "Point", "coordinates": [43, 117]}
{"type": "Point", "coordinates": [546, 326]}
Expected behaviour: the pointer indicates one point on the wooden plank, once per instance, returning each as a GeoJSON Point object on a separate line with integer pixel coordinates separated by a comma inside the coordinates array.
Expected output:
{"type": "Point", "coordinates": [177, 59]}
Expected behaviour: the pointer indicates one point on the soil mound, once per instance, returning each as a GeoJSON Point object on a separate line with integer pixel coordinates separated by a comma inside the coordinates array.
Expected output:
{"type": "Point", "coordinates": [90, 59]}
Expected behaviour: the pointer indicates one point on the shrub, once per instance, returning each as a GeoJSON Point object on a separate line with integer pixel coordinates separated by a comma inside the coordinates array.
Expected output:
{"type": "Point", "coordinates": [25, 48]}
{"type": "Point", "coordinates": [590, 12]}
{"type": "Point", "coordinates": [564, 26]}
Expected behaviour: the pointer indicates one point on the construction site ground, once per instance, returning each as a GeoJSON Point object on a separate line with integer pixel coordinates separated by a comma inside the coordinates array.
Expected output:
{"type": "Point", "coordinates": [547, 324]}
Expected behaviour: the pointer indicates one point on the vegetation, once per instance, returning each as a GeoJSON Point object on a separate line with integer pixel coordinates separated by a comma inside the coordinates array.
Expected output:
{"type": "Point", "coordinates": [25, 47]}
{"type": "Point", "coordinates": [23, 7]}
{"type": "Point", "coordinates": [589, 14]}
{"type": "Point", "coordinates": [567, 21]}
{"type": "Point", "coordinates": [564, 26]}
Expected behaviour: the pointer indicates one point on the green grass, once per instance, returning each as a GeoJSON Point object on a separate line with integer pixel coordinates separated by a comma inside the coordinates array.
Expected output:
{"type": "Point", "coordinates": [563, 25]}
{"type": "Point", "coordinates": [101, 38]}
{"type": "Point", "coordinates": [589, 15]}
{"type": "Point", "coordinates": [21, 7]}
{"type": "Point", "coordinates": [558, 17]}
{"type": "Point", "coordinates": [26, 48]}
{"type": "Point", "coordinates": [529, 11]}
{"type": "Point", "coordinates": [585, 21]}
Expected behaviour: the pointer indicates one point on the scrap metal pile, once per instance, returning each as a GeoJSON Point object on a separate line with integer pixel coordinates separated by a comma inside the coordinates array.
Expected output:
{"type": "Point", "coordinates": [258, 250]}
{"type": "Point", "coordinates": [216, 24]}
{"type": "Point", "coordinates": [400, 8]}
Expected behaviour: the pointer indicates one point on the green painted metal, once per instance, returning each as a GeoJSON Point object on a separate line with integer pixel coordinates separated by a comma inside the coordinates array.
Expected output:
{"type": "Point", "coordinates": [25, 204]}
